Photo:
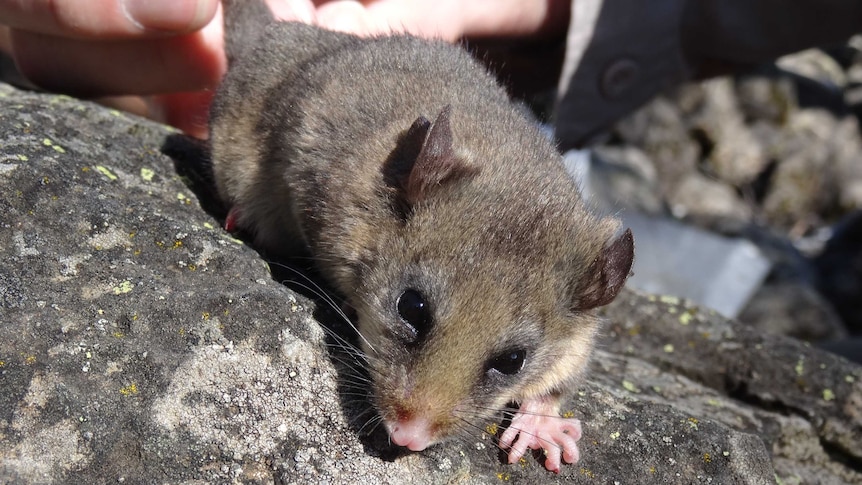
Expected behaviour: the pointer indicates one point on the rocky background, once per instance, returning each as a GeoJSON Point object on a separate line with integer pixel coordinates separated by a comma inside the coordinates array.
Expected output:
{"type": "Point", "coordinates": [774, 156]}
{"type": "Point", "coordinates": [140, 343]}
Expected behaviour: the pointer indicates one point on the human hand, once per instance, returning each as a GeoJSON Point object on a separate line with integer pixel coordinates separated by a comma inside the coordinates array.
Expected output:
{"type": "Point", "coordinates": [171, 51]}
{"type": "Point", "coordinates": [446, 19]}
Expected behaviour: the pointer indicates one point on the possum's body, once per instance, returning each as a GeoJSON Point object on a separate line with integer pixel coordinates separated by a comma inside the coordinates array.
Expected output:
{"type": "Point", "coordinates": [434, 205]}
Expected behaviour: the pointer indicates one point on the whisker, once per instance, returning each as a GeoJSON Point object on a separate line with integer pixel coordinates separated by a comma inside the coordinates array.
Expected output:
{"type": "Point", "coordinates": [318, 290]}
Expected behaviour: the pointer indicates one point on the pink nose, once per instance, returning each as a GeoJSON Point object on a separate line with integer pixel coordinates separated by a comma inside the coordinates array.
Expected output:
{"type": "Point", "coordinates": [415, 434]}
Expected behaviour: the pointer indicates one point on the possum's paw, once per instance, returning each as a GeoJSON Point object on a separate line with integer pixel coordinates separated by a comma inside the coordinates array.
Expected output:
{"type": "Point", "coordinates": [230, 222]}
{"type": "Point", "coordinates": [537, 425]}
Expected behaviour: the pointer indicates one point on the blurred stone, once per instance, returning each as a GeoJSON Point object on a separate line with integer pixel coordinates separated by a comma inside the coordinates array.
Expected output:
{"type": "Point", "coordinates": [734, 155]}
{"type": "Point", "coordinates": [816, 65]}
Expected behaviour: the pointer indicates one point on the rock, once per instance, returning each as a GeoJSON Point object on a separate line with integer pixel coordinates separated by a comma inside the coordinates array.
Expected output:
{"type": "Point", "coordinates": [614, 178]}
{"type": "Point", "coordinates": [699, 196]}
{"type": "Point", "coordinates": [735, 155]}
{"type": "Point", "coordinates": [765, 96]}
{"type": "Point", "coordinates": [816, 65]}
{"type": "Point", "coordinates": [142, 344]}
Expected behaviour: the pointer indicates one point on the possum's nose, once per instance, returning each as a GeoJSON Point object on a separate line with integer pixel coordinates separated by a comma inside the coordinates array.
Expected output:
{"type": "Point", "coordinates": [415, 434]}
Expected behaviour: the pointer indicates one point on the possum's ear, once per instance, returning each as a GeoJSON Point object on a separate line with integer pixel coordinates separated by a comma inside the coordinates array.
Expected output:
{"type": "Point", "coordinates": [428, 159]}
{"type": "Point", "coordinates": [607, 274]}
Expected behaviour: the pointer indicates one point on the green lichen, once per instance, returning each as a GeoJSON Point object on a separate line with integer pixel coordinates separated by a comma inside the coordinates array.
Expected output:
{"type": "Point", "coordinates": [828, 395]}
{"type": "Point", "coordinates": [104, 171]}
{"type": "Point", "coordinates": [668, 348]}
{"type": "Point", "coordinates": [800, 366]}
{"type": "Point", "coordinates": [629, 386]}
{"type": "Point", "coordinates": [124, 287]}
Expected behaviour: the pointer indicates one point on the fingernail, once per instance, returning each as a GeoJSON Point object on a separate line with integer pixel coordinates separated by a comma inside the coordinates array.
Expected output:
{"type": "Point", "coordinates": [170, 15]}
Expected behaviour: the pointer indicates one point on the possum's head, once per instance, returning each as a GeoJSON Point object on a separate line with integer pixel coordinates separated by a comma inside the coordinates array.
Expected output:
{"type": "Point", "coordinates": [484, 295]}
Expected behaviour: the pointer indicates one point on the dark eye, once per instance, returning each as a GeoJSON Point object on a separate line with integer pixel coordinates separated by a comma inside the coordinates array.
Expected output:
{"type": "Point", "coordinates": [509, 362]}
{"type": "Point", "coordinates": [413, 309]}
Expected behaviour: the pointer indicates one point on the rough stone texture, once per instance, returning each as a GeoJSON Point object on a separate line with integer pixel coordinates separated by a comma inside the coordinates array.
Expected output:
{"type": "Point", "coordinates": [139, 343]}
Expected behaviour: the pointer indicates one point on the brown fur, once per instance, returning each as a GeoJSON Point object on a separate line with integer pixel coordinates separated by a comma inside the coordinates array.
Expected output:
{"type": "Point", "coordinates": [322, 141]}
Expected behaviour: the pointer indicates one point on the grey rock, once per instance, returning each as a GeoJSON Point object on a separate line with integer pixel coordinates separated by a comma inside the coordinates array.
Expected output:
{"type": "Point", "coordinates": [735, 155]}
{"type": "Point", "coordinates": [142, 344]}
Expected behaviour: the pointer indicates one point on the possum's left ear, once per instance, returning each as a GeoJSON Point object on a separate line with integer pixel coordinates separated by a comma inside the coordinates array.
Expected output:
{"type": "Point", "coordinates": [607, 274]}
{"type": "Point", "coordinates": [427, 158]}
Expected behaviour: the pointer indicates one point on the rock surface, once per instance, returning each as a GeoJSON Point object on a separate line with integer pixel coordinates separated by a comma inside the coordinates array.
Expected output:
{"type": "Point", "coordinates": [140, 343]}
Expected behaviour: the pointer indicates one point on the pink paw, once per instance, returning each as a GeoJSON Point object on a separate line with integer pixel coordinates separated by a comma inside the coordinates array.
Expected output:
{"type": "Point", "coordinates": [538, 426]}
{"type": "Point", "coordinates": [230, 222]}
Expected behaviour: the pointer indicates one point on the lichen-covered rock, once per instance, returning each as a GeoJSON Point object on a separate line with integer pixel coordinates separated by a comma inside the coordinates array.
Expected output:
{"type": "Point", "coordinates": [140, 343]}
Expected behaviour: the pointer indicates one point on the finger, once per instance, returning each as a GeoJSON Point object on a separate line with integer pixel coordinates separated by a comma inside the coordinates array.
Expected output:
{"type": "Point", "coordinates": [347, 16]}
{"type": "Point", "coordinates": [421, 18]}
{"type": "Point", "coordinates": [187, 111]}
{"type": "Point", "coordinates": [107, 19]}
{"type": "Point", "coordinates": [88, 68]}
{"type": "Point", "coordinates": [298, 10]}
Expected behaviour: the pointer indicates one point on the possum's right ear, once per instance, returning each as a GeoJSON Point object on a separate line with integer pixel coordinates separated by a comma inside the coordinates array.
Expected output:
{"type": "Point", "coordinates": [607, 274]}
{"type": "Point", "coordinates": [425, 159]}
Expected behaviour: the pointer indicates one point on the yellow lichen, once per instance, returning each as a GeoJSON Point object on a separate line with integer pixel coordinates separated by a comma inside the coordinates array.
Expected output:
{"type": "Point", "coordinates": [129, 390]}
{"type": "Point", "coordinates": [491, 429]}
{"type": "Point", "coordinates": [707, 458]}
{"type": "Point", "coordinates": [147, 174]}
{"type": "Point", "coordinates": [685, 318]}
{"type": "Point", "coordinates": [668, 348]}
{"type": "Point", "coordinates": [693, 422]}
